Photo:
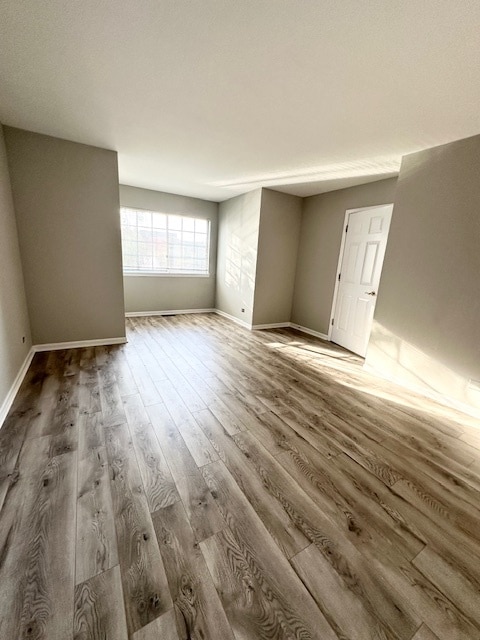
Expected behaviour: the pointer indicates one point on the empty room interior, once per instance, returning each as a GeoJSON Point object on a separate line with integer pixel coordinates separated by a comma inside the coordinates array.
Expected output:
{"type": "Point", "coordinates": [239, 320]}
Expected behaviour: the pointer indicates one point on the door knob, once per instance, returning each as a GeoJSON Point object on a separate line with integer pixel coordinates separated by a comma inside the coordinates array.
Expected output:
{"type": "Point", "coordinates": [370, 293]}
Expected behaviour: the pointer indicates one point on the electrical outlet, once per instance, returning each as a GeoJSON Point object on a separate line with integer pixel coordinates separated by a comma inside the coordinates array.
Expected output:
{"type": "Point", "coordinates": [243, 310]}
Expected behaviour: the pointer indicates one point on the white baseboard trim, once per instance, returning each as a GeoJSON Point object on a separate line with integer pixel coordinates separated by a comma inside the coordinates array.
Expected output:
{"type": "Point", "coordinates": [170, 312]}
{"type": "Point", "coordinates": [78, 344]}
{"type": "Point", "coordinates": [310, 332]}
{"type": "Point", "coordinates": [275, 325]}
{"type": "Point", "coordinates": [242, 323]}
{"type": "Point", "coordinates": [7, 403]}
{"type": "Point", "coordinates": [55, 346]}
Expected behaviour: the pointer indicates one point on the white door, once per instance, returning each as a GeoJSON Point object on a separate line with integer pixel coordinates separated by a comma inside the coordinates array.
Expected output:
{"type": "Point", "coordinates": [364, 247]}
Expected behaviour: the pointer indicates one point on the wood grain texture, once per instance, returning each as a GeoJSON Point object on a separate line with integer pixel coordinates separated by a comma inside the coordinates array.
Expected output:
{"type": "Point", "coordinates": [25, 411]}
{"type": "Point", "coordinates": [361, 517]}
{"type": "Point", "coordinates": [38, 555]}
{"type": "Point", "coordinates": [96, 544]}
{"type": "Point", "coordinates": [141, 377]}
{"type": "Point", "coordinates": [199, 611]}
{"type": "Point", "coordinates": [446, 577]}
{"type": "Point", "coordinates": [145, 587]}
{"type": "Point", "coordinates": [177, 454]}
{"type": "Point", "coordinates": [319, 527]}
{"type": "Point", "coordinates": [203, 514]}
{"type": "Point", "coordinates": [278, 522]}
{"type": "Point", "coordinates": [89, 387]}
{"type": "Point", "coordinates": [424, 633]}
{"type": "Point", "coordinates": [199, 446]}
{"type": "Point", "coordinates": [438, 611]}
{"type": "Point", "coordinates": [49, 373]}
{"type": "Point", "coordinates": [110, 399]}
{"type": "Point", "coordinates": [91, 433]}
{"type": "Point", "coordinates": [99, 612]}
{"type": "Point", "coordinates": [338, 597]}
{"type": "Point", "coordinates": [227, 418]}
{"type": "Point", "coordinates": [262, 596]}
{"type": "Point", "coordinates": [157, 478]}
{"type": "Point", "coordinates": [203, 481]}
{"type": "Point", "coordinates": [123, 375]}
{"type": "Point", "coordinates": [162, 628]}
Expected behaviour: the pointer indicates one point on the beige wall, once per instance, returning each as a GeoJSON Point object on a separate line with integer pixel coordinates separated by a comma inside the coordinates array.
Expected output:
{"type": "Point", "coordinates": [238, 226]}
{"type": "Point", "coordinates": [319, 248]}
{"type": "Point", "coordinates": [279, 232]}
{"type": "Point", "coordinates": [166, 293]}
{"type": "Point", "coordinates": [66, 201]}
{"type": "Point", "coordinates": [14, 322]}
{"type": "Point", "coordinates": [427, 319]}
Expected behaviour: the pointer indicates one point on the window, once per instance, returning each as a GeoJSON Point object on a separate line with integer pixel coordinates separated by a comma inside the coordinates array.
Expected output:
{"type": "Point", "coordinates": [160, 243]}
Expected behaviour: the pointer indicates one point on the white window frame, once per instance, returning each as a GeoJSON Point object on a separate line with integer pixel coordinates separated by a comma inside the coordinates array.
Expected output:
{"type": "Point", "coordinates": [169, 271]}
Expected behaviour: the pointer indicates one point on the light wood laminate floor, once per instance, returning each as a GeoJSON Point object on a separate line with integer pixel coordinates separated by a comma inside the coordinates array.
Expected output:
{"type": "Point", "coordinates": [204, 482]}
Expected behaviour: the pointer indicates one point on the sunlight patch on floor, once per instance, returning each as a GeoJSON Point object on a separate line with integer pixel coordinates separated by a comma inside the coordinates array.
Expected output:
{"type": "Point", "coordinates": [349, 373]}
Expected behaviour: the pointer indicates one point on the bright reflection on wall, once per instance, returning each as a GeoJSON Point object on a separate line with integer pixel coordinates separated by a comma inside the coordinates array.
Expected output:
{"type": "Point", "coordinates": [233, 263]}
{"type": "Point", "coordinates": [398, 360]}
{"type": "Point", "coordinates": [239, 267]}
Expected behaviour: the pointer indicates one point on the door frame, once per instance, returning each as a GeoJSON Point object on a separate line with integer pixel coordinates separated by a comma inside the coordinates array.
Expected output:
{"type": "Point", "coordinates": [340, 257]}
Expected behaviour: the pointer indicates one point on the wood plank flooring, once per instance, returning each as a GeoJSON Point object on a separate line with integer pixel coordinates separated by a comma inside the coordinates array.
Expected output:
{"type": "Point", "coordinates": [204, 482]}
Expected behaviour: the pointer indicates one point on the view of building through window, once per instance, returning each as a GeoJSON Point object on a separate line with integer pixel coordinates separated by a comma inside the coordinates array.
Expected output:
{"type": "Point", "coordinates": [159, 243]}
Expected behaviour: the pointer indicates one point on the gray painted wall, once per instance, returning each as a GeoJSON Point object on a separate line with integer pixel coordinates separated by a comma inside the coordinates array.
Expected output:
{"type": "Point", "coordinates": [238, 226]}
{"type": "Point", "coordinates": [279, 232]}
{"type": "Point", "coordinates": [66, 201]}
{"type": "Point", "coordinates": [14, 321]}
{"type": "Point", "coordinates": [427, 319]}
{"type": "Point", "coordinates": [319, 248]}
{"type": "Point", "coordinates": [166, 293]}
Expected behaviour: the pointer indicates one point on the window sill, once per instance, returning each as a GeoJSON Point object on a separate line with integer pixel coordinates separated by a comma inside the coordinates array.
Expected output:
{"type": "Point", "coordinates": [167, 275]}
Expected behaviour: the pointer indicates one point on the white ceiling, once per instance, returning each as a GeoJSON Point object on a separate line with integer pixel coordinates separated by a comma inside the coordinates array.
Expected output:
{"type": "Point", "coordinates": [212, 98]}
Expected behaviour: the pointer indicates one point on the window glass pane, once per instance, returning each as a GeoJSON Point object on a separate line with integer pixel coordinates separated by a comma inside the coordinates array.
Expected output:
{"type": "Point", "coordinates": [201, 225]}
{"type": "Point", "coordinates": [159, 243]}
{"type": "Point", "coordinates": [129, 262]}
{"type": "Point", "coordinates": [159, 237]}
{"type": "Point", "coordinates": [189, 224]}
{"type": "Point", "coordinates": [144, 218]}
{"type": "Point", "coordinates": [144, 249]}
{"type": "Point", "coordinates": [174, 237]}
{"type": "Point", "coordinates": [160, 250]}
{"type": "Point", "coordinates": [188, 238]}
{"type": "Point", "coordinates": [129, 246]}
{"type": "Point", "coordinates": [159, 220]}
{"type": "Point", "coordinates": [129, 216]}
{"type": "Point", "coordinates": [144, 235]}
{"type": "Point", "coordinates": [188, 262]}
{"type": "Point", "coordinates": [201, 239]}
{"type": "Point", "coordinates": [175, 222]}
{"type": "Point", "coordinates": [160, 262]}
{"type": "Point", "coordinates": [129, 233]}
{"type": "Point", "coordinates": [145, 262]}
{"type": "Point", "coordinates": [199, 265]}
